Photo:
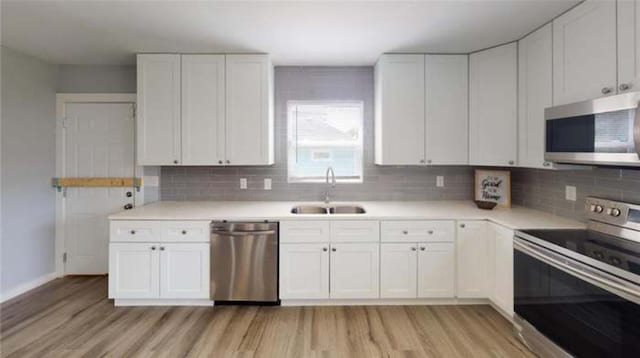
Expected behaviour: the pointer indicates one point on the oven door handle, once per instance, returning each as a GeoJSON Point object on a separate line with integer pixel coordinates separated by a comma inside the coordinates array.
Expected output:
{"type": "Point", "coordinates": [581, 272]}
{"type": "Point", "coordinates": [636, 130]}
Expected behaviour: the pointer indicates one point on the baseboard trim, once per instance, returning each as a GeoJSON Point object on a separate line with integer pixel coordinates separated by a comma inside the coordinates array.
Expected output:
{"type": "Point", "coordinates": [161, 302]}
{"type": "Point", "coordinates": [387, 302]}
{"type": "Point", "coordinates": [28, 286]}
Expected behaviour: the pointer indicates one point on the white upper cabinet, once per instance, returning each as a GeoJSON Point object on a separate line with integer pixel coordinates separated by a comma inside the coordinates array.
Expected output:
{"type": "Point", "coordinates": [534, 95]}
{"type": "Point", "coordinates": [249, 99]}
{"type": "Point", "coordinates": [446, 111]}
{"type": "Point", "coordinates": [399, 118]}
{"type": "Point", "coordinates": [203, 116]}
{"type": "Point", "coordinates": [158, 110]}
{"type": "Point", "coordinates": [628, 45]}
{"type": "Point", "coordinates": [205, 110]}
{"type": "Point", "coordinates": [584, 52]}
{"type": "Point", "coordinates": [493, 116]}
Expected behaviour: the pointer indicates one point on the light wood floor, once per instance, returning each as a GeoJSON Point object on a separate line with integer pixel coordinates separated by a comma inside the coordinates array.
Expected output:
{"type": "Point", "coordinates": [71, 317]}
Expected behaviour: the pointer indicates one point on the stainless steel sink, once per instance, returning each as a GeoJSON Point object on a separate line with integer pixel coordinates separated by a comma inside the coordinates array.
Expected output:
{"type": "Point", "coordinates": [347, 209]}
{"type": "Point", "coordinates": [309, 209]}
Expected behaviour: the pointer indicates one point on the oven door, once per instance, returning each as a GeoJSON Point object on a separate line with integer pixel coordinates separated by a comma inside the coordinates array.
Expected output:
{"type": "Point", "coordinates": [601, 131]}
{"type": "Point", "coordinates": [584, 311]}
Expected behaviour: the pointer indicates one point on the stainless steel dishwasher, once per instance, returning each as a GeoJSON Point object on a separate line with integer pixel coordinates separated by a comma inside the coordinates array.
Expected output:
{"type": "Point", "coordinates": [244, 262]}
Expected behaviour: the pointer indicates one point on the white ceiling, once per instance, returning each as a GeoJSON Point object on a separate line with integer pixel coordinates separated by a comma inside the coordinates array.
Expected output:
{"type": "Point", "coordinates": [294, 32]}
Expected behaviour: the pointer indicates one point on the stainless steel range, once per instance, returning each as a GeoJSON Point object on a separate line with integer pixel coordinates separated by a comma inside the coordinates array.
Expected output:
{"type": "Point", "coordinates": [577, 292]}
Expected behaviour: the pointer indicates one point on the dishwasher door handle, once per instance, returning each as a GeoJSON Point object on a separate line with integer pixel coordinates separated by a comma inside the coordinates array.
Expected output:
{"type": "Point", "coordinates": [244, 233]}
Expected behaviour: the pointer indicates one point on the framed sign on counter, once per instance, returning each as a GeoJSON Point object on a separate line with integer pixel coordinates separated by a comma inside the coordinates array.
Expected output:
{"type": "Point", "coordinates": [493, 185]}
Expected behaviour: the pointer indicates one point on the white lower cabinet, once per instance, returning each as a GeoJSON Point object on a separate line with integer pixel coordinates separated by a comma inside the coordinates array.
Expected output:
{"type": "Point", "coordinates": [304, 271]}
{"type": "Point", "coordinates": [436, 268]}
{"type": "Point", "coordinates": [472, 259]}
{"type": "Point", "coordinates": [502, 269]}
{"type": "Point", "coordinates": [398, 270]}
{"type": "Point", "coordinates": [184, 270]}
{"type": "Point", "coordinates": [159, 269]}
{"type": "Point", "coordinates": [134, 270]}
{"type": "Point", "coordinates": [355, 270]}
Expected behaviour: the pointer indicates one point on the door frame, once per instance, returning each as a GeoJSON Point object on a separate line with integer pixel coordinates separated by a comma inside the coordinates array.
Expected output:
{"type": "Point", "coordinates": [62, 99]}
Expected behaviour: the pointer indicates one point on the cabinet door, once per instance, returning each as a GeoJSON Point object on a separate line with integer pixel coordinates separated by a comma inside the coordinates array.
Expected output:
{"type": "Point", "coordinates": [304, 271]}
{"type": "Point", "coordinates": [398, 270]}
{"type": "Point", "coordinates": [133, 270]}
{"type": "Point", "coordinates": [158, 113]}
{"type": "Point", "coordinates": [436, 268]}
{"type": "Point", "coordinates": [249, 120]}
{"type": "Point", "coordinates": [184, 271]}
{"type": "Point", "coordinates": [584, 52]}
{"type": "Point", "coordinates": [355, 270]}
{"type": "Point", "coordinates": [493, 115]}
{"type": "Point", "coordinates": [399, 113]}
{"type": "Point", "coordinates": [502, 294]}
{"type": "Point", "coordinates": [203, 90]}
{"type": "Point", "coordinates": [472, 259]}
{"type": "Point", "coordinates": [446, 112]}
{"type": "Point", "coordinates": [628, 45]}
{"type": "Point", "coordinates": [534, 95]}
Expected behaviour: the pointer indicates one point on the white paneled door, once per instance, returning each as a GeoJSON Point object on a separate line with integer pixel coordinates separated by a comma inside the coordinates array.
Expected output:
{"type": "Point", "coordinates": [99, 141]}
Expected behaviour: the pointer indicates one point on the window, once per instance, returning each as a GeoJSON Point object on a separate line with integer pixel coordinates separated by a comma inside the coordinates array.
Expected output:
{"type": "Point", "coordinates": [322, 135]}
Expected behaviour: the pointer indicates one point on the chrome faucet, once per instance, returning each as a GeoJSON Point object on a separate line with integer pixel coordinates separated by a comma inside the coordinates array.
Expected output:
{"type": "Point", "coordinates": [333, 183]}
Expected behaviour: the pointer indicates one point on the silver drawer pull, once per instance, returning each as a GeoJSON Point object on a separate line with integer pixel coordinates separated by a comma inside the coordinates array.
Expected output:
{"type": "Point", "coordinates": [430, 232]}
{"type": "Point", "coordinates": [184, 232]}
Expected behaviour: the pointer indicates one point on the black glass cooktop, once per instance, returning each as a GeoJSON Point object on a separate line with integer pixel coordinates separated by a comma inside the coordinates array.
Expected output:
{"type": "Point", "coordinates": [621, 253]}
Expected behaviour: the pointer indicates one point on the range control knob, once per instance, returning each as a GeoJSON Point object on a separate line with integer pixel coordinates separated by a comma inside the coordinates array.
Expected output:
{"type": "Point", "coordinates": [597, 209]}
{"type": "Point", "coordinates": [615, 212]}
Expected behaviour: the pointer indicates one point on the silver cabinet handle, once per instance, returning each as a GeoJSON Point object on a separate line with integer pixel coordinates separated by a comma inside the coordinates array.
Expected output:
{"type": "Point", "coordinates": [153, 247]}
{"type": "Point", "coordinates": [428, 161]}
{"type": "Point", "coordinates": [511, 162]}
{"type": "Point", "coordinates": [422, 248]}
{"type": "Point", "coordinates": [228, 161]}
{"type": "Point", "coordinates": [430, 232]}
{"type": "Point", "coordinates": [422, 161]}
{"type": "Point", "coordinates": [325, 249]}
{"type": "Point", "coordinates": [175, 162]}
{"type": "Point", "coordinates": [334, 249]}
{"type": "Point", "coordinates": [161, 248]}
{"type": "Point", "coordinates": [413, 249]}
{"type": "Point", "coordinates": [546, 164]}
{"type": "Point", "coordinates": [462, 226]}
{"type": "Point", "coordinates": [405, 232]}
{"type": "Point", "coordinates": [184, 232]}
{"type": "Point", "coordinates": [219, 161]}
{"type": "Point", "coordinates": [607, 90]}
{"type": "Point", "coordinates": [133, 232]}
{"type": "Point", "coordinates": [624, 86]}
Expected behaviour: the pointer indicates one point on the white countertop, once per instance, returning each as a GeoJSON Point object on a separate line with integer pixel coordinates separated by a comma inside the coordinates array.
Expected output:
{"type": "Point", "coordinates": [514, 218]}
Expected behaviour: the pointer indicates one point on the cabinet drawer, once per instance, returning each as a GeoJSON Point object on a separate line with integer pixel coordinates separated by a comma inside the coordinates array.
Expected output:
{"type": "Point", "coordinates": [305, 231]}
{"type": "Point", "coordinates": [135, 231]}
{"type": "Point", "coordinates": [418, 231]}
{"type": "Point", "coordinates": [355, 231]}
{"type": "Point", "coordinates": [185, 231]}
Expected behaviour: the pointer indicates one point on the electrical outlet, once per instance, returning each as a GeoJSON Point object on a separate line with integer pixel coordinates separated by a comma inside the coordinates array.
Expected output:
{"type": "Point", "coordinates": [570, 192]}
{"type": "Point", "coordinates": [440, 181]}
{"type": "Point", "coordinates": [243, 183]}
{"type": "Point", "coordinates": [267, 183]}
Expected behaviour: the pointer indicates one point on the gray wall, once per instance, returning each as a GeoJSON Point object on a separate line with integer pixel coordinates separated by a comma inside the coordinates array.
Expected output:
{"type": "Point", "coordinates": [27, 165]}
{"type": "Point", "coordinates": [96, 79]}
{"type": "Point", "coordinates": [545, 189]}
{"type": "Point", "coordinates": [380, 183]}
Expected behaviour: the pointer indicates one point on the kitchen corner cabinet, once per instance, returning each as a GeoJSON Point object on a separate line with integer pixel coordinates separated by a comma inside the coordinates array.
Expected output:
{"type": "Point", "coordinates": [493, 102]}
{"type": "Point", "coordinates": [205, 109]}
{"type": "Point", "coordinates": [628, 45]}
{"type": "Point", "coordinates": [584, 52]}
{"type": "Point", "coordinates": [158, 110]}
{"type": "Point", "coordinates": [473, 260]}
{"type": "Point", "coordinates": [421, 109]}
{"type": "Point", "coordinates": [534, 95]}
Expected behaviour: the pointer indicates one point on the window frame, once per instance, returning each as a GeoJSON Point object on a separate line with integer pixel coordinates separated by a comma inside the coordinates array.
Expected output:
{"type": "Point", "coordinates": [291, 148]}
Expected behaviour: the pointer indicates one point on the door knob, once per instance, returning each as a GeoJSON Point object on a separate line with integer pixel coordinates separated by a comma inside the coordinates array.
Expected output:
{"type": "Point", "coordinates": [128, 206]}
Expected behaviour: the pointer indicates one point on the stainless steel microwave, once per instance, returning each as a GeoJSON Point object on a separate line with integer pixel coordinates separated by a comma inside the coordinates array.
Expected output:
{"type": "Point", "coordinates": [603, 131]}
